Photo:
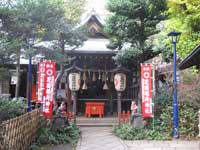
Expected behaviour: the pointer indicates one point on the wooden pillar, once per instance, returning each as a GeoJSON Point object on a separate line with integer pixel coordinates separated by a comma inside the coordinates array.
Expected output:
{"type": "Point", "coordinates": [119, 99]}
{"type": "Point", "coordinates": [111, 99]}
{"type": "Point", "coordinates": [111, 103]}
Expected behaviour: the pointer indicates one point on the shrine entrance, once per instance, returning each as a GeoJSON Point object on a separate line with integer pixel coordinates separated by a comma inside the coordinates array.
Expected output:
{"type": "Point", "coordinates": [96, 97]}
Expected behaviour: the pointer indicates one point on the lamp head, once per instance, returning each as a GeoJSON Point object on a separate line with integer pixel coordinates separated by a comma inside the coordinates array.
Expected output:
{"type": "Point", "coordinates": [175, 36]}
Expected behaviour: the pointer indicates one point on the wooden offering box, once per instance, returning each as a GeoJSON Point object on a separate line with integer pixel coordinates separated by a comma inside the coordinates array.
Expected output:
{"type": "Point", "coordinates": [94, 108]}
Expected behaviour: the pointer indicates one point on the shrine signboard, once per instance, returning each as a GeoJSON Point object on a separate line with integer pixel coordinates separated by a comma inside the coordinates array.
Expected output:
{"type": "Point", "coordinates": [46, 78]}
{"type": "Point", "coordinates": [146, 90]}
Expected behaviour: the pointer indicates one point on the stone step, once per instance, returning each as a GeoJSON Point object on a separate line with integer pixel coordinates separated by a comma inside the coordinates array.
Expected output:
{"type": "Point", "coordinates": [95, 121]}
{"type": "Point", "coordinates": [96, 124]}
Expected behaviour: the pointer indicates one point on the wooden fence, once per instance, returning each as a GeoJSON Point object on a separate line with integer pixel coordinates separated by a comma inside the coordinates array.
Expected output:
{"type": "Point", "coordinates": [18, 133]}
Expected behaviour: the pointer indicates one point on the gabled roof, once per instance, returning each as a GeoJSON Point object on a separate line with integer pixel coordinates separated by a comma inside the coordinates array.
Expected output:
{"type": "Point", "coordinates": [94, 24]}
{"type": "Point", "coordinates": [92, 14]}
{"type": "Point", "coordinates": [193, 59]}
{"type": "Point", "coordinates": [95, 45]}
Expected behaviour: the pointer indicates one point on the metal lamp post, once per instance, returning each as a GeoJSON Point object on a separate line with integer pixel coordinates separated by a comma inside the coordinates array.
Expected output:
{"type": "Point", "coordinates": [30, 45]}
{"type": "Point", "coordinates": [174, 35]}
{"type": "Point", "coordinates": [29, 83]}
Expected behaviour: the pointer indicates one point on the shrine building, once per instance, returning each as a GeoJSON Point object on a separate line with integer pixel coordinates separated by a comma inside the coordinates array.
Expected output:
{"type": "Point", "coordinates": [97, 67]}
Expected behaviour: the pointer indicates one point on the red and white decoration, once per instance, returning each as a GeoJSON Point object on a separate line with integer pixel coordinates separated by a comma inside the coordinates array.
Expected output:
{"type": "Point", "coordinates": [46, 78]}
{"type": "Point", "coordinates": [120, 82]}
{"type": "Point", "coordinates": [41, 78]}
{"type": "Point", "coordinates": [146, 90]}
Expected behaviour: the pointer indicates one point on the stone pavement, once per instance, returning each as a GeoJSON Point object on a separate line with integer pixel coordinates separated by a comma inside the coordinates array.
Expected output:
{"type": "Point", "coordinates": [103, 138]}
{"type": "Point", "coordinates": [162, 145]}
{"type": "Point", "coordinates": [99, 138]}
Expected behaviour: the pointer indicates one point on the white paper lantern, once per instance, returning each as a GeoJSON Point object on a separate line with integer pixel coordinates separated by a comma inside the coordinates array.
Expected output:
{"type": "Point", "coordinates": [74, 81]}
{"type": "Point", "coordinates": [120, 82]}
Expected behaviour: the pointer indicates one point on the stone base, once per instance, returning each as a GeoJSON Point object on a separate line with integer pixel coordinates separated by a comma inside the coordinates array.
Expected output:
{"type": "Point", "coordinates": [59, 122]}
{"type": "Point", "coordinates": [137, 120]}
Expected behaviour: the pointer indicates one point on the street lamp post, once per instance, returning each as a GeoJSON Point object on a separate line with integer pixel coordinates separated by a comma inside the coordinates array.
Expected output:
{"type": "Point", "coordinates": [174, 35]}
{"type": "Point", "coordinates": [29, 83]}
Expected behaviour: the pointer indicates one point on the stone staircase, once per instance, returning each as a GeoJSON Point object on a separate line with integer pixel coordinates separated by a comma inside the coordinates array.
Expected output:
{"type": "Point", "coordinates": [96, 121]}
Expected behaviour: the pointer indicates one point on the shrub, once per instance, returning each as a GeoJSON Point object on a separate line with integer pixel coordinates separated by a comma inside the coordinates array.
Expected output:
{"type": "Point", "coordinates": [128, 132]}
{"type": "Point", "coordinates": [63, 135]}
{"type": "Point", "coordinates": [10, 109]}
{"type": "Point", "coordinates": [188, 116]}
{"type": "Point", "coordinates": [188, 121]}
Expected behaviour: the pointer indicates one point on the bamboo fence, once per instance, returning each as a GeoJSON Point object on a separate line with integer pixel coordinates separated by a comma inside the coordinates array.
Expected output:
{"type": "Point", "coordinates": [19, 132]}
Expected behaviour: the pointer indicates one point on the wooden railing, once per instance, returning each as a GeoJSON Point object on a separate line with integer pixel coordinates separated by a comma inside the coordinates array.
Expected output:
{"type": "Point", "coordinates": [19, 132]}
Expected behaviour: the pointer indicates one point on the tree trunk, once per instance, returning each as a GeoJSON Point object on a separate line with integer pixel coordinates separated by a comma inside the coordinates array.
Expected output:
{"type": "Point", "coordinates": [59, 74]}
{"type": "Point", "coordinates": [17, 74]}
{"type": "Point", "coordinates": [68, 98]}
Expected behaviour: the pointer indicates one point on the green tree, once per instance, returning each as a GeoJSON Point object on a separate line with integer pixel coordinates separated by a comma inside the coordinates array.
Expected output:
{"type": "Point", "coordinates": [183, 16]}
{"type": "Point", "coordinates": [74, 10]}
{"type": "Point", "coordinates": [26, 21]}
{"type": "Point", "coordinates": [35, 21]}
{"type": "Point", "coordinates": [67, 36]}
{"type": "Point", "coordinates": [131, 28]}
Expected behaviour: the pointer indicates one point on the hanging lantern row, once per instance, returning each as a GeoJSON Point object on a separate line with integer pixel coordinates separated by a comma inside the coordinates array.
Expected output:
{"type": "Point", "coordinates": [102, 76]}
{"type": "Point", "coordinates": [91, 76]}
{"type": "Point", "coordinates": [74, 77]}
{"type": "Point", "coordinates": [75, 80]}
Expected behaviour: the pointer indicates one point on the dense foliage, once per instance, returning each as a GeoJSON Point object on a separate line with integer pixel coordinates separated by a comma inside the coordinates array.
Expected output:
{"type": "Point", "coordinates": [128, 132]}
{"type": "Point", "coordinates": [188, 122]}
{"type": "Point", "coordinates": [50, 136]}
{"type": "Point", "coordinates": [188, 119]}
{"type": "Point", "coordinates": [25, 24]}
{"type": "Point", "coordinates": [189, 89]}
{"type": "Point", "coordinates": [183, 16]}
{"type": "Point", "coordinates": [131, 27]}
{"type": "Point", "coordinates": [10, 109]}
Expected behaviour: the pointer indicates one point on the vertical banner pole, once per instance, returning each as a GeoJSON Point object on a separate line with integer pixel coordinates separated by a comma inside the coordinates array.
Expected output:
{"type": "Point", "coordinates": [153, 84]}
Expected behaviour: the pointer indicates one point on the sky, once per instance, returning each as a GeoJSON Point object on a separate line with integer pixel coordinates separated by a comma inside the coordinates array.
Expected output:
{"type": "Point", "coordinates": [98, 5]}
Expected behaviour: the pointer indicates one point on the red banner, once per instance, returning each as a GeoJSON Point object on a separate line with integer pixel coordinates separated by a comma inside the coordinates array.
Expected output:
{"type": "Point", "coordinates": [146, 90]}
{"type": "Point", "coordinates": [41, 78]}
{"type": "Point", "coordinates": [46, 78]}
